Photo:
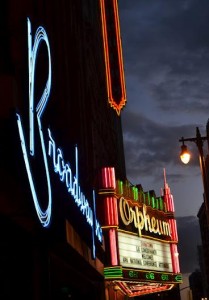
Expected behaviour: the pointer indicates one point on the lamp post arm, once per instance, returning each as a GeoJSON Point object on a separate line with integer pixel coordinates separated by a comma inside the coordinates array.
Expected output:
{"type": "Point", "coordinates": [203, 138]}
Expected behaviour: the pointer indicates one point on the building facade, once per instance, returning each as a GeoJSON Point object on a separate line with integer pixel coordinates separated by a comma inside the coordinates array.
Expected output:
{"type": "Point", "coordinates": [203, 217]}
{"type": "Point", "coordinates": [204, 262]}
{"type": "Point", "coordinates": [58, 129]}
{"type": "Point", "coordinates": [196, 281]}
{"type": "Point", "coordinates": [62, 91]}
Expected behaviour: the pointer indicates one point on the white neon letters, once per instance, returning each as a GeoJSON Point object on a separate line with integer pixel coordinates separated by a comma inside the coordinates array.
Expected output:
{"type": "Point", "coordinates": [44, 216]}
{"type": "Point", "coordinates": [71, 182]}
{"type": "Point", "coordinates": [62, 168]}
{"type": "Point", "coordinates": [40, 36]}
{"type": "Point", "coordinates": [32, 55]}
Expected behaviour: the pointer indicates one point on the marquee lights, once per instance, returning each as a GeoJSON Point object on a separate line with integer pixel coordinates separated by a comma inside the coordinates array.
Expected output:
{"type": "Point", "coordinates": [175, 258]}
{"type": "Point", "coordinates": [60, 166]}
{"type": "Point", "coordinates": [142, 275]}
{"type": "Point", "coordinates": [132, 192]}
{"type": "Point", "coordinates": [146, 247]}
{"type": "Point", "coordinates": [133, 288]}
{"type": "Point", "coordinates": [113, 272]}
{"type": "Point", "coordinates": [113, 250]}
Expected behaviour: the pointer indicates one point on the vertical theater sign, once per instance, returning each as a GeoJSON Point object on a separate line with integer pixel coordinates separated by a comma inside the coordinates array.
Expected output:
{"type": "Point", "coordinates": [113, 55]}
{"type": "Point", "coordinates": [53, 159]}
{"type": "Point", "coordinates": [141, 235]}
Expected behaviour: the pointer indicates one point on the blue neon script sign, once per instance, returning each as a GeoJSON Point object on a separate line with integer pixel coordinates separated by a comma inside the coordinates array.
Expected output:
{"type": "Point", "coordinates": [63, 169]}
{"type": "Point", "coordinates": [40, 37]}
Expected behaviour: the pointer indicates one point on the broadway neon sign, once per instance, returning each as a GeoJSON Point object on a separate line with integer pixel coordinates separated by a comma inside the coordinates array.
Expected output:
{"type": "Point", "coordinates": [49, 148]}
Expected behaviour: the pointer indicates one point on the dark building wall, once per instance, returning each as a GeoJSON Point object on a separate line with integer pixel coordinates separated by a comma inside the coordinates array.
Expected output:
{"type": "Point", "coordinates": [196, 285]}
{"type": "Point", "coordinates": [204, 226]}
{"type": "Point", "coordinates": [205, 244]}
{"type": "Point", "coordinates": [78, 113]}
{"type": "Point", "coordinates": [202, 268]}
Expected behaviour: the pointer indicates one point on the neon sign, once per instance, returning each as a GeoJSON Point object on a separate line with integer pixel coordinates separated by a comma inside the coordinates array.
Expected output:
{"type": "Point", "coordinates": [152, 276]}
{"type": "Point", "coordinates": [71, 182]}
{"type": "Point", "coordinates": [62, 168]}
{"type": "Point", "coordinates": [142, 275]}
{"type": "Point", "coordinates": [40, 36]}
{"type": "Point", "coordinates": [141, 219]}
{"type": "Point", "coordinates": [113, 55]}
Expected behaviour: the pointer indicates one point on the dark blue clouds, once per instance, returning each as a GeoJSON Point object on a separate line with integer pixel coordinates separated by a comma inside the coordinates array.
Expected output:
{"type": "Point", "coordinates": [166, 50]}
{"type": "Point", "coordinates": [166, 59]}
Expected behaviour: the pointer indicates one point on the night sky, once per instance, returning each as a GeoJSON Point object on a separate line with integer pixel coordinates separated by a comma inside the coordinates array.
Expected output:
{"type": "Point", "coordinates": [166, 62]}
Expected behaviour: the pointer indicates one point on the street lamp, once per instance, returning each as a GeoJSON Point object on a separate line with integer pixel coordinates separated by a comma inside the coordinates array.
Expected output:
{"type": "Point", "coordinates": [185, 157]}
{"type": "Point", "coordinates": [185, 154]}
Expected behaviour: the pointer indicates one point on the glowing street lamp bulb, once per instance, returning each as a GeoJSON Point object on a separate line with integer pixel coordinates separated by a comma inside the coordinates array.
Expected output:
{"type": "Point", "coordinates": [185, 158]}
{"type": "Point", "coordinates": [185, 155]}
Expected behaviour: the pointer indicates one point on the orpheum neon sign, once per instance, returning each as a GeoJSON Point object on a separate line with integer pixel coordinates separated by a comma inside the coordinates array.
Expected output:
{"type": "Point", "coordinates": [141, 219]}
{"type": "Point", "coordinates": [63, 169]}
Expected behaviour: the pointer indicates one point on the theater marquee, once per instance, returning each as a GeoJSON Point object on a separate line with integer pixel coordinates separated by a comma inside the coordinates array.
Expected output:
{"type": "Point", "coordinates": [136, 252]}
{"type": "Point", "coordinates": [140, 231]}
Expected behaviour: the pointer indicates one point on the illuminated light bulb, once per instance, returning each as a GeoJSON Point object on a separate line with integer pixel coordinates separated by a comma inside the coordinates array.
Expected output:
{"type": "Point", "coordinates": [185, 155]}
